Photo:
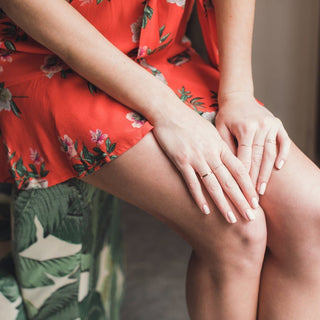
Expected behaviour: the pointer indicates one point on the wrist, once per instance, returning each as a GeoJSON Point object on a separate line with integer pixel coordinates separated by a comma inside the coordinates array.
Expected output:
{"type": "Point", "coordinates": [162, 105]}
{"type": "Point", "coordinates": [238, 80]}
{"type": "Point", "coordinates": [230, 95]}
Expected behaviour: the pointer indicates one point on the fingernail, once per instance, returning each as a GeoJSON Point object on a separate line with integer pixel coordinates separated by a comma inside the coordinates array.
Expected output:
{"type": "Point", "coordinates": [206, 209]}
{"type": "Point", "coordinates": [232, 217]}
{"type": "Point", "coordinates": [250, 214]}
{"type": "Point", "coordinates": [255, 203]}
{"type": "Point", "coordinates": [262, 188]}
{"type": "Point", "coordinates": [280, 164]}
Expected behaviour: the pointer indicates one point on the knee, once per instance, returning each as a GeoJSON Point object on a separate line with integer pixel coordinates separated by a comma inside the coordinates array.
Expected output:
{"type": "Point", "coordinates": [240, 248]}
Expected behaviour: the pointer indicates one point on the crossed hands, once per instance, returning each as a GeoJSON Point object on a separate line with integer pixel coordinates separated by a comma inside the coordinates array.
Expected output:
{"type": "Point", "coordinates": [232, 161]}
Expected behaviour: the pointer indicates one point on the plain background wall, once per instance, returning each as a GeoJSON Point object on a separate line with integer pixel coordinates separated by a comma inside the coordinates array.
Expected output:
{"type": "Point", "coordinates": [286, 71]}
{"type": "Point", "coordinates": [286, 64]}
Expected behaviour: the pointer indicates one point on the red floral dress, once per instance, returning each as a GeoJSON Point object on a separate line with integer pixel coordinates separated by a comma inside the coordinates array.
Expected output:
{"type": "Point", "coordinates": [56, 125]}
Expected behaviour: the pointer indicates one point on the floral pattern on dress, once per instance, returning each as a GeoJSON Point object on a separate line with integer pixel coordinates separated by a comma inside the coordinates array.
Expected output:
{"type": "Point", "coordinates": [164, 41]}
{"type": "Point", "coordinates": [35, 156]}
{"type": "Point", "coordinates": [180, 58]}
{"type": "Point", "coordinates": [84, 2]}
{"type": "Point", "coordinates": [52, 64]}
{"type": "Point", "coordinates": [31, 177]}
{"type": "Point", "coordinates": [67, 146]}
{"type": "Point", "coordinates": [179, 3]}
{"type": "Point", "coordinates": [6, 101]}
{"type": "Point", "coordinates": [85, 160]}
{"type": "Point", "coordinates": [147, 14]}
{"type": "Point", "coordinates": [150, 33]}
{"type": "Point", "coordinates": [97, 136]}
{"type": "Point", "coordinates": [210, 116]}
{"type": "Point", "coordinates": [13, 32]}
{"type": "Point", "coordinates": [137, 119]}
{"type": "Point", "coordinates": [154, 71]}
{"type": "Point", "coordinates": [6, 50]}
{"type": "Point", "coordinates": [196, 103]}
{"type": "Point", "coordinates": [136, 30]}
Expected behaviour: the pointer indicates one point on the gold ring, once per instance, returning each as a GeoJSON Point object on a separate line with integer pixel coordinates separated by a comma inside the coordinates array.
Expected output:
{"type": "Point", "coordinates": [206, 174]}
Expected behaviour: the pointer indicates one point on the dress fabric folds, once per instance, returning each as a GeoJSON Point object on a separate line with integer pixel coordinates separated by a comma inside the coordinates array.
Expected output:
{"type": "Point", "coordinates": [55, 125]}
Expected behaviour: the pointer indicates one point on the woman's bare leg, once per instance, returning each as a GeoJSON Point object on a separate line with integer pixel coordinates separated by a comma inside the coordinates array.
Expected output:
{"type": "Point", "coordinates": [290, 284]}
{"type": "Point", "coordinates": [224, 277]}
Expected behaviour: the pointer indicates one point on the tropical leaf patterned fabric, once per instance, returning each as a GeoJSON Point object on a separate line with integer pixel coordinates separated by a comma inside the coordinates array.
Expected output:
{"type": "Point", "coordinates": [66, 253]}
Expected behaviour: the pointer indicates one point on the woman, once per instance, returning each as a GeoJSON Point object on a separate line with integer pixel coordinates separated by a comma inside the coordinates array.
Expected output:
{"type": "Point", "coordinates": [175, 164]}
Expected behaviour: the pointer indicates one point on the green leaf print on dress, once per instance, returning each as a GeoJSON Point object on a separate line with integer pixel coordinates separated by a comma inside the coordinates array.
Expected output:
{"type": "Point", "coordinates": [147, 14]}
{"type": "Point", "coordinates": [63, 277]}
{"type": "Point", "coordinates": [196, 103]}
{"type": "Point", "coordinates": [164, 41]}
{"type": "Point", "coordinates": [86, 161]}
{"type": "Point", "coordinates": [31, 177]}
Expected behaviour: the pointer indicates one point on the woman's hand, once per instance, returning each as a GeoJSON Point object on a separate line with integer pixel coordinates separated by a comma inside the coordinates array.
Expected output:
{"type": "Point", "coordinates": [199, 153]}
{"type": "Point", "coordinates": [261, 140]}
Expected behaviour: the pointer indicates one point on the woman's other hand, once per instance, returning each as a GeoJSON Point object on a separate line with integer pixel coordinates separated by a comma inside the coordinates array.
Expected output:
{"type": "Point", "coordinates": [261, 140]}
{"type": "Point", "coordinates": [197, 150]}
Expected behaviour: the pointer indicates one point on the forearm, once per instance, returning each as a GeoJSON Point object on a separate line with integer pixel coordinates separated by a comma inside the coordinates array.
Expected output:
{"type": "Point", "coordinates": [86, 51]}
{"type": "Point", "coordinates": [234, 28]}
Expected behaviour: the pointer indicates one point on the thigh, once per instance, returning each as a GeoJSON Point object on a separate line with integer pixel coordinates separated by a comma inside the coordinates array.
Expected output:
{"type": "Point", "coordinates": [146, 178]}
{"type": "Point", "coordinates": [292, 202]}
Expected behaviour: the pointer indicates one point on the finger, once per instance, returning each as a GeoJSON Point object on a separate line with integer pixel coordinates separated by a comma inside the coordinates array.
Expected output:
{"type": "Point", "coordinates": [284, 147]}
{"type": "Point", "coordinates": [231, 188]}
{"type": "Point", "coordinates": [241, 176]}
{"type": "Point", "coordinates": [228, 138]}
{"type": "Point", "coordinates": [257, 154]}
{"type": "Point", "coordinates": [244, 153]}
{"type": "Point", "coordinates": [215, 191]}
{"type": "Point", "coordinates": [195, 189]}
{"type": "Point", "coordinates": [268, 160]}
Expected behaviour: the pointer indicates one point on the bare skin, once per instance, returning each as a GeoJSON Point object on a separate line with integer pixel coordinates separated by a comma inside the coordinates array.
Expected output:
{"type": "Point", "coordinates": [223, 283]}
{"type": "Point", "coordinates": [232, 254]}
{"type": "Point", "coordinates": [164, 168]}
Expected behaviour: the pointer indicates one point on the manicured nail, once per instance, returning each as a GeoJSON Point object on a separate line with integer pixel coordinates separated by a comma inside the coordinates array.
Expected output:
{"type": "Point", "coordinates": [280, 164]}
{"type": "Point", "coordinates": [206, 209]}
{"type": "Point", "coordinates": [232, 217]}
{"type": "Point", "coordinates": [263, 187]}
{"type": "Point", "coordinates": [255, 203]}
{"type": "Point", "coordinates": [250, 214]}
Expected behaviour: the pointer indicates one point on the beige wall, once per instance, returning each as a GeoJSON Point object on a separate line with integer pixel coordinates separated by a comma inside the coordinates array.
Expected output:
{"type": "Point", "coordinates": [286, 65]}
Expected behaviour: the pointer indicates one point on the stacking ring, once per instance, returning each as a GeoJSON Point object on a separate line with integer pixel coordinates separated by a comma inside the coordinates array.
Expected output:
{"type": "Point", "coordinates": [271, 141]}
{"type": "Point", "coordinates": [206, 174]}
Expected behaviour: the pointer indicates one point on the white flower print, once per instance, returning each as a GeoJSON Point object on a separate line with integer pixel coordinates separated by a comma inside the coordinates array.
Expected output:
{"type": "Point", "coordinates": [52, 64]}
{"type": "Point", "coordinates": [84, 2]}
{"type": "Point", "coordinates": [136, 118]}
{"type": "Point", "coordinates": [185, 39]}
{"type": "Point", "coordinates": [37, 184]}
{"type": "Point", "coordinates": [97, 136]}
{"type": "Point", "coordinates": [67, 146]}
{"type": "Point", "coordinates": [5, 98]}
{"type": "Point", "coordinates": [210, 116]}
{"type": "Point", "coordinates": [136, 29]}
{"type": "Point", "coordinates": [35, 156]}
{"type": "Point", "coordinates": [179, 3]}
{"type": "Point", "coordinates": [154, 71]}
